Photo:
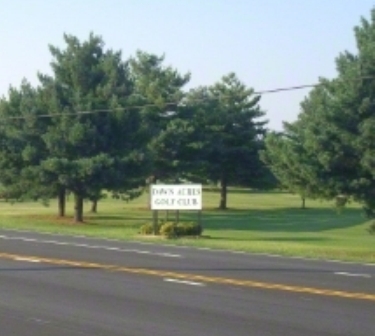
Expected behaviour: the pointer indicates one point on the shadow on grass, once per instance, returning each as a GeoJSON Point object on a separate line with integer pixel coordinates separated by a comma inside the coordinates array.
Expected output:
{"type": "Point", "coordinates": [269, 220]}
{"type": "Point", "coordinates": [281, 220]}
{"type": "Point", "coordinates": [272, 239]}
{"type": "Point", "coordinates": [118, 217]}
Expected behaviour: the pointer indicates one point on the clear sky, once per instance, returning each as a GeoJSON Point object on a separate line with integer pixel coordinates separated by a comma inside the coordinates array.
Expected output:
{"type": "Point", "coordinates": [267, 43]}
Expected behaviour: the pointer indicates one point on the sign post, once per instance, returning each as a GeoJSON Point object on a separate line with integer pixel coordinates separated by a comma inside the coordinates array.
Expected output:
{"type": "Point", "coordinates": [154, 221]}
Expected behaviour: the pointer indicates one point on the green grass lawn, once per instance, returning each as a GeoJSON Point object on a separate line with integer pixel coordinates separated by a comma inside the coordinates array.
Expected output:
{"type": "Point", "coordinates": [256, 222]}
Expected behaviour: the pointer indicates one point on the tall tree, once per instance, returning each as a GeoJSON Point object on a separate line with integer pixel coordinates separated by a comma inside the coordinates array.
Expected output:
{"type": "Point", "coordinates": [22, 147]}
{"type": "Point", "coordinates": [218, 134]}
{"type": "Point", "coordinates": [94, 141]}
{"type": "Point", "coordinates": [288, 160]}
{"type": "Point", "coordinates": [158, 89]}
{"type": "Point", "coordinates": [232, 133]}
{"type": "Point", "coordinates": [338, 123]}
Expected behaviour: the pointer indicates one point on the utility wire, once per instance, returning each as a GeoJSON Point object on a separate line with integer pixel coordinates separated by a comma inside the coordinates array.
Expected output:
{"type": "Point", "coordinates": [259, 93]}
{"type": "Point", "coordinates": [291, 88]}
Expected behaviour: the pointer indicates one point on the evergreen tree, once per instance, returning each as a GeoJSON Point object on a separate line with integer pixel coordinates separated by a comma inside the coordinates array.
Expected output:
{"type": "Point", "coordinates": [217, 135]}
{"type": "Point", "coordinates": [93, 141]}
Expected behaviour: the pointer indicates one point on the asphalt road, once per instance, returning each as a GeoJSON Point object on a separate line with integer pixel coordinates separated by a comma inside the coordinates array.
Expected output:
{"type": "Point", "coordinates": [59, 285]}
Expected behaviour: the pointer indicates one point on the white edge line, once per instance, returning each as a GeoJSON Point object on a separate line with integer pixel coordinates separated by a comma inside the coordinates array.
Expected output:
{"type": "Point", "coordinates": [106, 248]}
{"type": "Point", "coordinates": [185, 282]}
{"type": "Point", "coordinates": [171, 255]}
{"type": "Point", "coordinates": [192, 247]}
{"type": "Point", "coordinates": [353, 274]}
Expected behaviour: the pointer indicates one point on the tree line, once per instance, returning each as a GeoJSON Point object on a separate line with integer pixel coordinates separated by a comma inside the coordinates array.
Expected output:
{"type": "Point", "coordinates": [100, 122]}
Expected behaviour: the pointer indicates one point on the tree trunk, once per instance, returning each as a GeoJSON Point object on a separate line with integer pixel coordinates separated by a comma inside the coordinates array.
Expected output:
{"type": "Point", "coordinates": [78, 208]}
{"type": "Point", "coordinates": [94, 206]}
{"type": "Point", "coordinates": [303, 205]}
{"type": "Point", "coordinates": [61, 201]}
{"type": "Point", "coordinates": [223, 193]}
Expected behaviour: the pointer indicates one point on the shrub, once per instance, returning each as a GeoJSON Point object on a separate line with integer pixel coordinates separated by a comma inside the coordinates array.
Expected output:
{"type": "Point", "coordinates": [193, 229]}
{"type": "Point", "coordinates": [181, 229]}
{"type": "Point", "coordinates": [369, 212]}
{"type": "Point", "coordinates": [168, 229]}
{"type": "Point", "coordinates": [171, 229]}
{"type": "Point", "coordinates": [148, 229]}
{"type": "Point", "coordinates": [371, 229]}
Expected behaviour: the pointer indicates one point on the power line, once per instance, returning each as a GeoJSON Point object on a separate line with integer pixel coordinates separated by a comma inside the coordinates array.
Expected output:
{"type": "Point", "coordinates": [290, 88]}
{"type": "Point", "coordinates": [306, 86]}
{"type": "Point", "coordinates": [174, 103]}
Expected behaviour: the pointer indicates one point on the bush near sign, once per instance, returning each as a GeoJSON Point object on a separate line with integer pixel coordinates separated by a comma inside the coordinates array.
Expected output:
{"type": "Point", "coordinates": [176, 196]}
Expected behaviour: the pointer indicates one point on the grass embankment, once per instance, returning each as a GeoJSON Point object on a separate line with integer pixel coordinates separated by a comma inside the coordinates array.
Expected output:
{"type": "Point", "coordinates": [256, 222]}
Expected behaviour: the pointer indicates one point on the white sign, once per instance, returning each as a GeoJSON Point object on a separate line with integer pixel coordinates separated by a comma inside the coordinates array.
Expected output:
{"type": "Point", "coordinates": [176, 197]}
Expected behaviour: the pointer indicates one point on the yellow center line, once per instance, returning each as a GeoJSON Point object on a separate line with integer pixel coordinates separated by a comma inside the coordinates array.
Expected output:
{"type": "Point", "coordinates": [196, 277]}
